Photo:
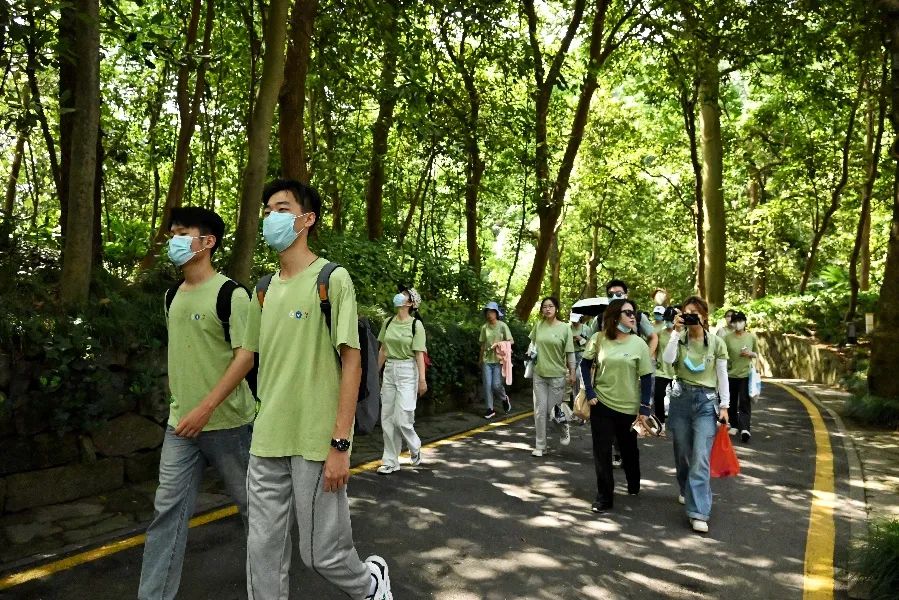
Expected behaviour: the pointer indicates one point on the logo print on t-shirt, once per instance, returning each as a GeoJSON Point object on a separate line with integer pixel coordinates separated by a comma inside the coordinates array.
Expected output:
{"type": "Point", "coordinates": [297, 314]}
{"type": "Point", "coordinates": [197, 316]}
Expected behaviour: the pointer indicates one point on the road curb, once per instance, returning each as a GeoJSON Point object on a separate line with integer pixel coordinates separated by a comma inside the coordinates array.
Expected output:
{"type": "Point", "coordinates": [856, 510]}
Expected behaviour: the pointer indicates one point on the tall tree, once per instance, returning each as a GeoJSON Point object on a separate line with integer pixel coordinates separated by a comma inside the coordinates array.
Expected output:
{"type": "Point", "coordinates": [882, 380]}
{"type": "Point", "coordinates": [77, 256]}
{"type": "Point", "coordinates": [259, 139]}
{"type": "Point", "coordinates": [292, 99]}
{"type": "Point", "coordinates": [551, 193]}
{"type": "Point", "coordinates": [188, 112]}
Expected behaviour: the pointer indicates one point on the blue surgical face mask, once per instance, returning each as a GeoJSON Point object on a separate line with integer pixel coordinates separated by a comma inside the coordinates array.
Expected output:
{"type": "Point", "coordinates": [277, 229]}
{"type": "Point", "coordinates": [658, 316]}
{"type": "Point", "coordinates": [624, 328]}
{"type": "Point", "coordinates": [179, 249]}
{"type": "Point", "coordinates": [619, 296]}
{"type": "Point", "coordinates": [399, 300]}
{"type": "Point", "coordinates": [693, 366]}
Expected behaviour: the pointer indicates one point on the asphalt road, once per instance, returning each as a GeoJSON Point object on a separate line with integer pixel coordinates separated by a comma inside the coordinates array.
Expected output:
{"type": "Point", "coordinates": [482, 519]}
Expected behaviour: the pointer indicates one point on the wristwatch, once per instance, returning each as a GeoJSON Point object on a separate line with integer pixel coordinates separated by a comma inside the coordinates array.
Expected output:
{"type": "Point", "coordinates": [340, 445]}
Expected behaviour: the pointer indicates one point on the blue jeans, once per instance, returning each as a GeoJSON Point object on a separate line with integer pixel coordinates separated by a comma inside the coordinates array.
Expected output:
{"type": "Point", "coordinates": [493, 383]}
{"type": "Point", "coordinates": [692, 422]}
{"type": "Point", "coordinates": [181, 469]}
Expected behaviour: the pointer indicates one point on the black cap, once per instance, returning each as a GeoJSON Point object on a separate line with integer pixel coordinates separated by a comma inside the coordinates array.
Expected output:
{"type": "Point", "coordinates": [738, 316]}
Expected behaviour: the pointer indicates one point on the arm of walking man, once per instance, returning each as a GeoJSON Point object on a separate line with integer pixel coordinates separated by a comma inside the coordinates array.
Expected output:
{"type": "Point", "coordinates": [194, 421]}
{"type": "Point", "coordinates": [337, 465]}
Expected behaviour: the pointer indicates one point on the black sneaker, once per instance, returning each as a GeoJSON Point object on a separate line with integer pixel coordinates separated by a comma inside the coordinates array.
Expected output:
{"type": "Point", "coordinates": [745, 435]}
{"type": "Point", "coordinates": [507, 405]}
{"type": "Point", "coordinates": [490, 414]}
{"type": "Point", "coordinates": [601, 507]}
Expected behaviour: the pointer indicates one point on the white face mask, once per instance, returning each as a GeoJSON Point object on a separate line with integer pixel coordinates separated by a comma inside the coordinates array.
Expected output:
{"type": "Point", "coordinates": [739, 325]}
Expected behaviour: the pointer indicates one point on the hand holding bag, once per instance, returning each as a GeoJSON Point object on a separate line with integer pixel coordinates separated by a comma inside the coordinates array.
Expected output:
{"type": "Point", "coordinates": [530, 361]}
{"type": "Point", "coordinates": [582, 406]}
{"type": "Point", "coordinates": [723, 461]}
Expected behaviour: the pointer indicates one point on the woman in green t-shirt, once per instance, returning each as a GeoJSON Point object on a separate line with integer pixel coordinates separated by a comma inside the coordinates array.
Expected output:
{"type": "Point", "coordinates": [742, 349]}
{"type": "Point", "coordinates": [698, 398]}
{"type": "Point", "coordinates": [555, 362]}
{"type": "Point", "coordinates": [620, 388]}
{"type": "Point", "coordinates": [403, 346]}
{"type": "Point", "coordinates": [493, 331]}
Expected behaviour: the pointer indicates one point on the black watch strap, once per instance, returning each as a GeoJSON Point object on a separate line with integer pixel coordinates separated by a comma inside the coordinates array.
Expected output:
{"type": "Point", "coordinates": [341, 445]}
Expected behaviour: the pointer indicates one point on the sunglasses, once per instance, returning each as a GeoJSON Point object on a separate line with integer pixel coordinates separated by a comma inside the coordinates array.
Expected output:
{"type": "Point", "coordinates": [628, 312]}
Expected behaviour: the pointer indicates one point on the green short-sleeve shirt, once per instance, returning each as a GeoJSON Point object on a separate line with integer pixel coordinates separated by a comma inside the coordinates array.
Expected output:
{"type": "Point", "coordinates": [299, 369]}
{"type": "Point", "coordinates": [199, 355]}
{"type": "Point", "coordinates": [663, 368]}
{"type": "Point", "coordinates": [699, 353]}
{"type": "Point", "coordinates": [490, 335]}
{"type": "Point", "coordinates": [738, 366]}
{"type": "Point", "coordinates": [398, 340]}
{"type": "Point", "coordinates": [553, 344]}
{"type": "Point", "coordinates": [619, 366]}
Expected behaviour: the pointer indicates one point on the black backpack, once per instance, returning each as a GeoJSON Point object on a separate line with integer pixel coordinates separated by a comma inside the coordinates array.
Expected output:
{"type": "Point", "coordinates": [223, 312]}
{"type": "Point", "coordinates": [368, 405]}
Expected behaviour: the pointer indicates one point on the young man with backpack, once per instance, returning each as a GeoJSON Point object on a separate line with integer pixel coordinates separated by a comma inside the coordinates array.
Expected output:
{"type": "Point", "coordinates": [309, 382]}
{"type": "Point", "coordinates": [211, 403]}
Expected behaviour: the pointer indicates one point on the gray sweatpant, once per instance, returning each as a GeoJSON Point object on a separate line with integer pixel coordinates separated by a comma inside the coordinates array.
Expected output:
{"type": "Point", "coordinates": [279, 489]}
{"type": "Point", "coordinates": [548, 392]}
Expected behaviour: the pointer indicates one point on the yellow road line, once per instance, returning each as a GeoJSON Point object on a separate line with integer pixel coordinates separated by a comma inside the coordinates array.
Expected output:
{"type": "Point", "coordinates": [818, 581]}
{"type": "Point", "coordinates": [68, 562]}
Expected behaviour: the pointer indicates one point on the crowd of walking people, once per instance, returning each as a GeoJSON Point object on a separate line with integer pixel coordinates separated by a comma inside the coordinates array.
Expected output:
{"type": "Point", "coordinates": [285, 460]}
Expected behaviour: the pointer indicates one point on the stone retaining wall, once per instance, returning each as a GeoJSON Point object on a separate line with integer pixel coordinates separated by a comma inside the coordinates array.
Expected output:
{"type": "Point", "coordinates": [790, 356]}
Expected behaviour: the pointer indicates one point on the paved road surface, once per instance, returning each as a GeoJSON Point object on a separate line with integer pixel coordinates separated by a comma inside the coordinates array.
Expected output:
{"type": "Point", "coordinates": [482, 519]}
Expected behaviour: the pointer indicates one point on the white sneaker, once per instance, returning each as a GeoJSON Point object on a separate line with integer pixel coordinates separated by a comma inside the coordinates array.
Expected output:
{"type": "Point", "coordinates": [378, 568]}
{"type": "Point", "coordinates": [388, 469]}
{"type": "Point", "coordinates": [537, 453]}
{"type": "Point", "coordinates": [416, 459]}
{"type": "Point", "coordinates": [699, 526]}
{"type": "Point", "coordinates": [681, 499]}
{"type": "Point", "coordinates": [566, 437]}
{"type": "Point", "coordinates": [616, 461]}
{"type": "Point", "coordinates": [733, 431]}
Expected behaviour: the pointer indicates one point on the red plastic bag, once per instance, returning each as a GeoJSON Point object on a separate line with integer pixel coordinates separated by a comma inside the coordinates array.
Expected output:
{"type": "Point", "coordinates": [724, 461]}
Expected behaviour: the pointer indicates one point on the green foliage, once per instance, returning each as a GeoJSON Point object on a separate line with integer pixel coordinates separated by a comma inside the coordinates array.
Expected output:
{"type": "Point", "coordinates": [874, 410]}
{"type": "Point", "coordinates": [877, 560]}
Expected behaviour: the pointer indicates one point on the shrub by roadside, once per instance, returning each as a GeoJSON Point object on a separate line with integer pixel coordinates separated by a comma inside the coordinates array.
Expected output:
{"type": "Point", "coordinates": [877, 561]}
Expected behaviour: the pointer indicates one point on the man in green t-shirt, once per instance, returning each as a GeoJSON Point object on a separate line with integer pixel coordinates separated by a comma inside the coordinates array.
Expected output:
{"type": "Point", "coordinates": [211, 404]}
{"type": "Point", "coordinates": [308, 386]}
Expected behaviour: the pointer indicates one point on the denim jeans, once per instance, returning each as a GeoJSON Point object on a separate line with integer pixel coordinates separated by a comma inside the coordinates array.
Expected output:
{"type": "Point", "coordinates": [493, 383]}
{"type": "Point", "coordinates": [181, 469]}
{"type": "Point", "coordinates": [692, 422]}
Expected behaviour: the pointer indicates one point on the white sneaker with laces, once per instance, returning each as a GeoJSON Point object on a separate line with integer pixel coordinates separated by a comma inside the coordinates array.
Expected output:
{"type": "Point", "coordinates": [388, 469]}
{"type": "Point", "coordinates": [378, 568]}
{"type": "Point", "coordinates": [699, 526]}
{"type": "Point", "coordinates": [681, 499]}
{"type": "Point", "coordinates": [537, 453]}
{"type": "Point", "coordinates": [416, 458]}
{"type": "Point", "coordinates": [566, 436]}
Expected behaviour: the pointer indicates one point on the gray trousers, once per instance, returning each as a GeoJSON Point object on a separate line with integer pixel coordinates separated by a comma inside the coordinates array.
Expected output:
{"type": "Point", "coordinates": [279, 490]}
{"type": "Point", "coordinates": [548, 392]}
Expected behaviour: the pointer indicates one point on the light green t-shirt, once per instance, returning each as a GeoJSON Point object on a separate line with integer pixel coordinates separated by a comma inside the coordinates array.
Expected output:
{"type": "Point", "coordinates": [398, 340]}
{"type": "Point", "coordinates": [490, 335]}
{"type": "Point", "coordinates": [700, 354]}
{"type": "Point", "coordinates": [199, 355]}
{"type": "Point", "coordinates": [619, 366]}
{"type": "Point", "coordinates": [738, 366]}
{"type": "Point", "coordinates": [663, 369]}
{"type": "Point", "coordinates": [553, 344]}
{"type": "Point", "coordinates": [299, 369]}
{"type": "Point", "coordinates": [582, 331]}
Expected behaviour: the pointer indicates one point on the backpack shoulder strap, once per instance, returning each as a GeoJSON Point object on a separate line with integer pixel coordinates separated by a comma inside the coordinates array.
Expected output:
{"type": "Point", "coordinates": [324, 278]}
{"type": "Point", "coordinates": [223, 305]}
{"type": "Point", "coordinates": [262, 287]}
{"type": "Point", "coordinates": [170, 295]}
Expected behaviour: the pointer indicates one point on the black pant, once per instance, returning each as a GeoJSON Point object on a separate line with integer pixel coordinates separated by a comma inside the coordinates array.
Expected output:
{"type": "Point", "coordinates": [658, 396]}
{"type": "Point", "coordinates": [740, 411]}
{"type": "Point", "coordinates": [607, 424]}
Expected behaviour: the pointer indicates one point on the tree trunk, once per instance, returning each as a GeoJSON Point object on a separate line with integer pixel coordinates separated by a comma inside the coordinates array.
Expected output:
{"type": "Point", "coordinates": [592, 263]}
{"type": "Point", "coordinates": [551, 195]}
{"type": "Point", "coordinates": [387, 95]}
{"type": "Point", "coordinates": [836, 195]}
{"type": "Point", "coordinates": [421, 192]}
{"type": "Point", "coordinates": [714, 226]}
{"type": "Point", "coordinates": [757, 197]}
{"type": "Point", "coordinates": [9, 202]}
{"type": "Point", "coordinates": [259, 140]}
{"type": "Point", "coordinates": [292, 100]}
{"type": "Point", "coordinates": [873, 147]}
{"type": "Point", "coordinates": [332, 186]}
{"type": "Point", "coordinates": [688, 110]}
{"type": "Point", "coordinates": [97, 242]}
{"type": "Point", "coordinates": [77, 262]}
{"type": "Point", "coordinates": [882, 380]}
{"type": "Point", "coordinates": [188, 109]}
{"type": "Point", "coordinates": [68, 81]}
{"type": "Point", "coordinates": [555, 268]}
